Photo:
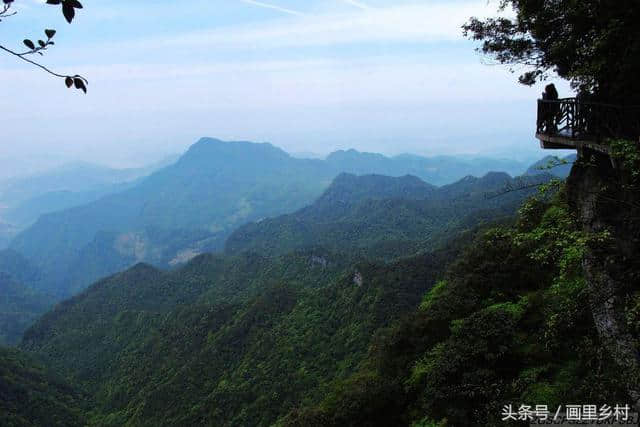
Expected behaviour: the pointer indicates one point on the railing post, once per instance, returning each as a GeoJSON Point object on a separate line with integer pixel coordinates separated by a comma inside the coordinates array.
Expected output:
{"type": "Point", "coordinates": [572, 122]}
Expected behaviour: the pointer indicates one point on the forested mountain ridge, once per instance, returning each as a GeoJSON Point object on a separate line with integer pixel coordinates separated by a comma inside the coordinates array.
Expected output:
{"type": "Point", "coordinates": [294, 319]}
{"type": "Point", "coordinates": [198, 332]}
{"type": "Point", "coordinates": [320, 338]}
{"type": "Point", "coordinates": [153, 292]}
{"type": "Point", "coordinates": [501, 327]}
{"type": "Point", "coordinates": [24, 199]}
{"type": "Point", "coordinates": [191, 206]}
{"type": "Point", "coordinates": [437, 170]}
{"type": "Point", "coordinates": [387, 217]}
{"type": "Point", "coordinates": [212, 188]}
{"type": "Point", "coordinates": [20, 306]}
{"type": "Point", "coordinates": [20, 302]}
{"type": "Point", "coordinates": [334, 338]}
{"type": "Point", "coordinates": [234, 183]}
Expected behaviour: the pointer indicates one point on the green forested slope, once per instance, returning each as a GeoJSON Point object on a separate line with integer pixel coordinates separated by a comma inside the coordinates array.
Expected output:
{"type": "Point", "coordinates": [508, 323]}
{"type": "Point", "coordinates": [214, 187]}
{"type": "Point", "coordinates": [321, 338]}
{"type": "Point", "coordinates": [248, 365]}
{"type": "Point", "coordinates": [20, 303]}
{"type": "Point", "coordinates": [245, 339]}
{"type": "Point", "coordinates": [17, 266]}
{"type": "Point", "coordinates": [88, 331]}
{"type": "Point", "coordinates": [226, 340]}
{"type": "Point", "coordinates": [386, 217]}
{"type": "Point", "coordinates": [31, 396]}
{"type": "Point", "coordinates": [20, 306]}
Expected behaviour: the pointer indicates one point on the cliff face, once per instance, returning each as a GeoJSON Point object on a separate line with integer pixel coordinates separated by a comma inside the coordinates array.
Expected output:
{"type": "Point", "coordinates": [607, 204]}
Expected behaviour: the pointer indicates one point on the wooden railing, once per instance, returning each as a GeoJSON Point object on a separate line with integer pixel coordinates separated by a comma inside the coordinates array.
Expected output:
{"type": "Point", "coordinates": [590, 121]}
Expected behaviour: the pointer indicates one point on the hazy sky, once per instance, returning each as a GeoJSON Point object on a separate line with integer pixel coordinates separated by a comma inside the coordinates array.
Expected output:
{"type": "Point", "coordinates": [389, 76]}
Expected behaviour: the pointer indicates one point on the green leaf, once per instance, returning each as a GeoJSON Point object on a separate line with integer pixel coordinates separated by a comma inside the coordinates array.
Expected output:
{"type": "Point", "coordinates": [28, 43]}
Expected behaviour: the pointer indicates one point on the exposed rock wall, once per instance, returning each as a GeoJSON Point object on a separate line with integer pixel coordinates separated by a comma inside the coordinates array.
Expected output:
{"type": "Point", "coordinates": [608, 205]}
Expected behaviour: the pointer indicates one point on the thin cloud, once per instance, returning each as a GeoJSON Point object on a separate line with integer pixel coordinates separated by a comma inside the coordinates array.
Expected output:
{"type": "Point", "coordinates": [400, 24]}
{"type": "Point", "coordinates": [273, 7]}
{"type": "Point", "coordinates": [357, 4]}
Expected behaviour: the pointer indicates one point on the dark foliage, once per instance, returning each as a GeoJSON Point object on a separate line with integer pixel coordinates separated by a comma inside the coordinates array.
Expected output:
{"type": "Point", "coordinates": [593, 43]}
{"type": "Point", "coordinates": [69, 11]}
{"type": "Point", "coordinates": [509, 324]}
{"type": "Point", "coordinates": [226, 340]}
{"type": "Point", "coordinates": [32, 396]}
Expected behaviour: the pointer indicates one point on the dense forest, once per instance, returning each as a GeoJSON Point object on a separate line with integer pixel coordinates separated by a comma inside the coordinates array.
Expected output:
{"type": "Point", "coordinates": [444, 305]}
{"type": "Point", "coordinates": [258, 289]}
{"type": "Point", "coordinates": [31, 395]}
{"type": "Point", "coordinates": [64, 262]}
{"type": "Point", "coordinates": [293, 323]}
{"type": "Point", "coordinates": [317, 337]}
{"type": "Point", "coordinates": [509, 322]}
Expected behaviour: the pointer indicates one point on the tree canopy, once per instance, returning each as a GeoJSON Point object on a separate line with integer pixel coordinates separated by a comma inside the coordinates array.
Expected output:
{"type": "Point", "coordinates": [595, 44]}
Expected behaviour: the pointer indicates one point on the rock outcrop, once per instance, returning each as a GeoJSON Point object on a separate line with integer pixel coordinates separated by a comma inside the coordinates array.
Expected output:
{"type": "Point", "coordinates": [607, 204]}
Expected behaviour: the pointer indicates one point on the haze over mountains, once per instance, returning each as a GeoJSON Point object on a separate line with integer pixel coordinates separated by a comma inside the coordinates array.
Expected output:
{"type": "Point", "coordinates": [290, 318]}
{"type": "Point", "coordinates": [193, 205]}
{"type": "Point", "coordinates": [307, 296]}
{"type": "Point", "coordinates": [384, 217]}
{"type": "Point", "coordinates": [196, 202]}
{"type": "Point", "coordinates": [23, 200]}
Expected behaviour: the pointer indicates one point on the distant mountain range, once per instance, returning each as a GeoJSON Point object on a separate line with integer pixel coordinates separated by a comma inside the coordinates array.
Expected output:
{"type": "Point", "coordinates": [213, 188]}
{"type": "Point", "coordinates": [73, 177]}
{"type": "Point", "coordinates": [191, 206]}
{"type": "Point", "coordinates": [380, 216]}
{"type": "Point", "coordinates": [253, 197]}
{"type": "Point", "coordinates": [24, 200]}
{"type": "Point", "coordinates": [559, 167]}
{"type": "Point", "coordinates": [320, 270]}
{"type": "Point", "coordinates": [438, 170]}
{"type": "Point", "coordinates": [292, 307]}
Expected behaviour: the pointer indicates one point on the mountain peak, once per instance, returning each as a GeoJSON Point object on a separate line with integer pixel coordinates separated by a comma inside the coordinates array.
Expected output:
{"type": "Point", "coordinates": [496, 177]}
{"type": "Point", "coordinates": [350, 154]}
{"type": "Point", "coordinates": [208, 153]}
{"type": "Point", "coordinates": [209, 146]}
{"type": "Point", "coordinates": [350, 188]}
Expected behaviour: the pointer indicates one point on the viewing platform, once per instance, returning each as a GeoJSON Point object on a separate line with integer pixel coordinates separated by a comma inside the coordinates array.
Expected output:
{"type": "Point", "coordinates": [570, 123]}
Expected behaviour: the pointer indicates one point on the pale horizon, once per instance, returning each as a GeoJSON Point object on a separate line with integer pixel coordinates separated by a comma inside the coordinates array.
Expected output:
{"type": "Point", "coordinates": [376, 76]}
